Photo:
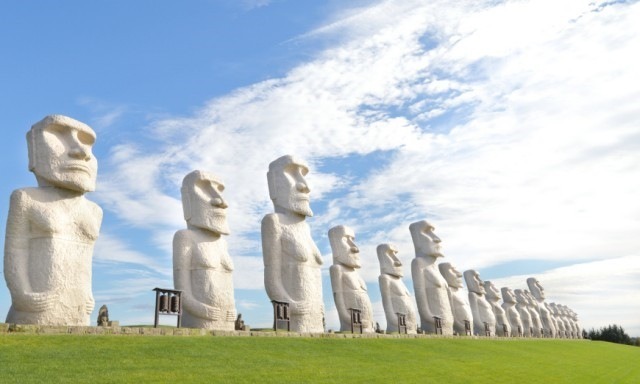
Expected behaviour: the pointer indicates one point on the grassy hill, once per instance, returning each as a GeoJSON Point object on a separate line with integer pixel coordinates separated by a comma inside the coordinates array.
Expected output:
{"type": "Point", "coordinates": [158, 359]}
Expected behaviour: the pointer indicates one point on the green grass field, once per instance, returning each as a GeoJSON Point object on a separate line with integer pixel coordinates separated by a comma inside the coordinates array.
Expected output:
{"type": "Point", "coordinates": [164, 359]}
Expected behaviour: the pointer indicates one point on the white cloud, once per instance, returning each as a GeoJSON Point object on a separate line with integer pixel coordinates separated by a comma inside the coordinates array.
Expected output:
{"type": "Point", "coordinates": [512, 127]}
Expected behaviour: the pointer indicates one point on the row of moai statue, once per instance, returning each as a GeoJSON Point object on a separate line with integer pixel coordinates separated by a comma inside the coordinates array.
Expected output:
{"type": "Point", "coordinates": [51, 231]}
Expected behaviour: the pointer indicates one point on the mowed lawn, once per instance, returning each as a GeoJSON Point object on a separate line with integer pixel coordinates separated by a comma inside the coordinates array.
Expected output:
{"type": "Point", "coordinates": [207, 359]}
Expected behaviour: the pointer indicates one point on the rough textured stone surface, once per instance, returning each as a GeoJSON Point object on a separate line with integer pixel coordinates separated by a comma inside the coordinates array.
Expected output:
{"type": "Point", "coordinates": [395, 295]}
{"type": "Point", "coordinates": [522, 306]}
{"type": "Point", "coordinates": [51, 229]}
{"type": "Point", "coordinates": [458, 297]}
{"type": "Point", "coordinates": [349, 289]}
{"type": "Point", "coordinates": [292, 260]}
{"type": "Point", "coordinates": [532, 305]}
{"type": "Point", "coordinates": [546, 318]}
{"type": "Point", "coordinates": [202, 267]}
{"type": "Point", "coordinates": [503, 326]}
{"type": "Point", "coordinates": [480, 307]}
{"type": "Point", "coordinates": [430, 287]}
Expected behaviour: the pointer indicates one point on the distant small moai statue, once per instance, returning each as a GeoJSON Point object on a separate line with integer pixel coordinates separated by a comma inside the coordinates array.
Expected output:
{"type": "Point", "coordinates": [349, 289]}
{"type": "Point", "coordinates": [240, 323]}
{"type": "Point", "coordinates": [396, 299]}
{"type": "Point", "coordinates": [430, 287]}
{"type": "Point", "coordinates": [103, 316]}
{"type": "Point", "coordinates": [484, 321]}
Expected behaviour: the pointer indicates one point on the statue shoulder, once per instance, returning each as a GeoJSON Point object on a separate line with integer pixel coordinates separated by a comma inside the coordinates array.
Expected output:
{"type": "Point", "coordinates": [271, 222]}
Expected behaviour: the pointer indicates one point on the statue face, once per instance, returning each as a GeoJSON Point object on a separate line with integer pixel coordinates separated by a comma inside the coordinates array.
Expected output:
{"type": "Point", "coordinates": [491, 291]}
{"type": "Point", "coordinates": [530, 299]}
{"type": "Point", "coordinates": [507, 295]}
{"type": "Point", "coordinates": [474, 283]}
{"type": "Point", "coordinates": [520, 297]}
{"type": "Point", "coordinates": [451, 275]}
{"type": "Point", "coordinates": [203, 204]}
{"type": "Point", "coordinates": [425, 241]}
{"type": "Point", "coordinates": [60, 154]}
{"type": "Point", "coordinates": [288, 187]}
{"type": "Point", "coordinates": [389, 262]}
{"type": "Point", "coordinates": [536, 289]}
{"type": "Point", "coordinates": [343, 246]}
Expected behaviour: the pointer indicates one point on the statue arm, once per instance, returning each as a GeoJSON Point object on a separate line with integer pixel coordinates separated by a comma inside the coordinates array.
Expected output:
{"type": "Point", "coordinates": [387, 304]}
{"type": "Point", "coordinates": [90, 302]}
{"type": "Point", "coordinates": [420, 289]}
{"type": "Point", "coordinates": [338, 294]}
{"type": "Point", "coordinates": [182, 254]}
{"type": "Point", "coordinates": [16, 259]}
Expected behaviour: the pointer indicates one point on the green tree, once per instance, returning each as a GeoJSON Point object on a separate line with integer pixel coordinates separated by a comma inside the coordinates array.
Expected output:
{"type": "Point", "coordinates": [612, 333]}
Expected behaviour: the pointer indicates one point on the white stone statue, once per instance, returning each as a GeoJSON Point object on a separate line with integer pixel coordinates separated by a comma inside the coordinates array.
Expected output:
{"type": "Point", "coordinates": [292, 260]}
{"type": "Point", "coordinates": [51, 229]}
{"type": "Point", "coordinates": [493, 296]}
{"type": "Point", "coordinates": [483, 317]}
{"type": "Point", "coordinates": [546, 318]}
{"type": "Point", "coordinates": [349, 290]}
{"type": "Point", "coordinates": [202, 268]}
{"type": "Point", "coordinates": [430, 287]}
{"type": "Point", "coordinates": [509, 306]}
{"type": "Point", "coordinates": [573, 320]}
{"type": "Point", "coordinates": [522, 305]}
{"type": "Point", "coordinates": [563, 330]}
{"type": "Point", "coordinates": [532, 305]}
{"type": "Point", "coordinates": [395, 295]}
{"type": "Point", "coordinates": [458, 298]}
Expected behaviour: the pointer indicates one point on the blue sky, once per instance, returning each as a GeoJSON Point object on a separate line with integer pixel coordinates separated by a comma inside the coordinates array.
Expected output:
{"type": "Point", "coordinates": [512, 126]}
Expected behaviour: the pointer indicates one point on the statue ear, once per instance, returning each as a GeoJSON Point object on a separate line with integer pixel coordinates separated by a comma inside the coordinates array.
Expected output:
{"type": "Point", "coordinates": [31, 148]}
{"type": "Point", "coordinates": [272, 185]}
{"type": "Point", "coordinates": [186, 203]}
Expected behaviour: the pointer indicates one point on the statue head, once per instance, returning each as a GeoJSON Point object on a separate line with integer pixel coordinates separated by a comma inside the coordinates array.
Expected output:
{"type": "Point", "coordinates": [530, 299]}
{"type": "Point", "coordinates": [202, 202]}
{"type": "Point", "coordinates": [426, 242]}
{"type": "Point", "coordinates": [343, 246]}
{"type": "Point", "coordinates": [555, 310]}
{"type": "Point", "coordinates": [389, 262]}
{"type": "Point", "coordinates": [508, 295]}
{"type": "Point", "coordinates": [492, 292]}
{"type": "Point", "coordinates": [520, 296]}
{"type": "Point", "coordinates": [474, 283]}
{"type": "Point", "coordinates": [536, 289]}
{"type": "Point", "coordinates": [288, 188]}
{"type": "Point", "coordinates": [60, 154]}
{"type": "Point", "coordinates": [451, 275]}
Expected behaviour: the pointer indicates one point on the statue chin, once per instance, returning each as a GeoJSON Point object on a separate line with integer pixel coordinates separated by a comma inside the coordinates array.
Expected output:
{"type": "Point", "coordinates": [72, 182]}
{"type": "Point", "coordinates": [217, 224]}
{"type": "Point", "coordinates": [300, 207]}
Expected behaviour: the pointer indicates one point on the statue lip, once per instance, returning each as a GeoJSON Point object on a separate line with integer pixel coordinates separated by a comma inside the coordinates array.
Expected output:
{"type": "Point", "coordinates": [77, 167]}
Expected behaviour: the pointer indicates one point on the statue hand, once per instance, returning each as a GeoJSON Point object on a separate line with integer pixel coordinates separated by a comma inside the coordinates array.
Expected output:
{"type": "Point", "coordinates": [231, 315]}
{"type": "Point", "coordinates": [89, 305]}
{"type": "Point", "coordinates": [37, 301]}
{"type": "Point", "coordinates": [300, 308]}
{"type": "Point", "coordinates": [214, 313]}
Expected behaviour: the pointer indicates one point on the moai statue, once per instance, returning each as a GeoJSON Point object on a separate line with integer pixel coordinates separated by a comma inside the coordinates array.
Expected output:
{"type": "Point", "coordinates": [292, 260]}
{"type": "Point", "coordinates": [546, 318]}
{"type": "Point", "coordinates": [562, 331]}
{"type": "Point", "coordinates": [396, 299]}
{"type": "Point", "coordinates": [202, 268]}
{"type": "Point", "coordinates": [532, 305]}
{"type": "Point", "coordinates": [573, 320]}
{"type": "Point", "coordinates": [509, 306]}
{"type": "Point", "coordinates": [349, 290]}
{"type": "Point", "coordinates": [462, 315]}
{"type": "Point", "coordinates": [430, 287]}
{"type": "Point", "coordinates": [103, 316]}
{"type": "Point", "coordinates": [503, 326]}
{"type": "Point", "coordinates": [484, 321]}
{"type": "Point", "coordinates": [522, 306]}
{"type": "Point", "coordinates": [51, 229]}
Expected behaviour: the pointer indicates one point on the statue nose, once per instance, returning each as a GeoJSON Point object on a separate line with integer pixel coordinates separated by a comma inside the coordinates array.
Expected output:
{"type": "Point", "coordinates": [219, 202]}
{"type": "Point", "coordinates": [302, 187]}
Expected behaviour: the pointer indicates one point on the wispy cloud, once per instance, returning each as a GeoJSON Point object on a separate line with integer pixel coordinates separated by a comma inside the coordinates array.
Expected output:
{"type": "Point", "coordinates": [512, 126]}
